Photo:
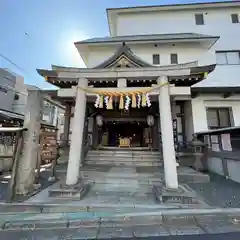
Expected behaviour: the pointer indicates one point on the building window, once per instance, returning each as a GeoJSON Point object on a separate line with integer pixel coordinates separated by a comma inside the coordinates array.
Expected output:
{"type": "Point", "coordinates": [235, 18]}
{"type": "Point", "coordinates": [156, 59]}
{"type": "Point", "coordinates": [3, 89]}
{"type": "Point", "coordinates": [199, 20]}
{"type": "Point", "coordinates": [16, 97]}
{"type": "Point", "coordinates": [174, 58]}
{"type": "Point", "coordinates": [219, 117]}
{"type": "Point", "coordinates": [228, 58]}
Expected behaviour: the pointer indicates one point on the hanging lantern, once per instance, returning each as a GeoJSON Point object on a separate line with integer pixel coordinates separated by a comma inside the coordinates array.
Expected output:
{"type": "Point", "coordinates": [99, 120]}
{"type": "Point", "coordinates": [150, 120]}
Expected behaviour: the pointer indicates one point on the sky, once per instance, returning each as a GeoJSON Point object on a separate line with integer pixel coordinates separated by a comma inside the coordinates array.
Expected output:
{"type": "Point", "coordinates": [38, 33]}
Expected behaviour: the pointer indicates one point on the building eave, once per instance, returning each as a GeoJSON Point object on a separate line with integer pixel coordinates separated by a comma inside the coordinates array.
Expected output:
{"type": "Point", "coordinates": [216, 90]}
{"type": "Point", "coordinates": [48, 73]}
{"type": "Point", "coordinates": [167, 7]}
{"type": "Point", "coordinates": [152, 38]}
{"type": "Point", "coordinates": [224, 91]}
{"type": "Point", "coordinates": [65, 77]}
{"type": "Point", "coordinates": [203, 69]}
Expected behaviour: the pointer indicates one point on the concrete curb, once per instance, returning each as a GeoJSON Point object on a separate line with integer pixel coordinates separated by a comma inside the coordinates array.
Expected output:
{"type": "Point", "coordinates": [7, 208]}
{"type": "Point", "coordinates": [76, 220]}
{"type": "Point", "coordinates": [15, 208]}
{"type": "Point", "coordinates": [185, 212]}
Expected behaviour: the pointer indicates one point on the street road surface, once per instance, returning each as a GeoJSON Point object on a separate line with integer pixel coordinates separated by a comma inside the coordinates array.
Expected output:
{"type": "Point", "coordinates": [71, 234]}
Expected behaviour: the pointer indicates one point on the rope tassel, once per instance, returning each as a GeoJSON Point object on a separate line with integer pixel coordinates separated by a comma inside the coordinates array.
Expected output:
{"type": "Point", "coordinates": [121, 103]}
{"type": "Point", "coordinates": [134, 101]}
{"type": "Point", "coordinates": [144, 100]}
{"type": "Point", "coordinates": [110, 103]}
{"type": "Point", "coordinates": [101, 102]}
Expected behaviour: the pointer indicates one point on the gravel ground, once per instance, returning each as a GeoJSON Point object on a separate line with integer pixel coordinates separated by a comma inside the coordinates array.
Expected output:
{"type": "Point", "coordinates": [219, 191]}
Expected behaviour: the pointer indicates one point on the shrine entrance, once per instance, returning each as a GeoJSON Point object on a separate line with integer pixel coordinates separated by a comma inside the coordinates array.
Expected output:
{"type": "Point", "coordinates": [121, 132]}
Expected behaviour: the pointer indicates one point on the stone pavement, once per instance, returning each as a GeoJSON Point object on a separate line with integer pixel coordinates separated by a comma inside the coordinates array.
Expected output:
{"type": "Point", "coordinates": [142, 227]}
{"type": "Point", "coordinates": [219, 191]}
{"type": "Point", "coordinates": [118, 185]}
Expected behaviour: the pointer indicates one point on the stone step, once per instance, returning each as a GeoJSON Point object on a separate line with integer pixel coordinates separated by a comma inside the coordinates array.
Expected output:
{"type": "Point", "coordinates": [122, 158]}
{"type": "Point", "coordinates": [125, 184]}
{"type": "Point", "coordinates": [120, 175]}
{"type": "Point", "coordinates": [125, 157]}
{"type": "Point", "coordinates": [122, 153]}
{"type": "Point", "coordinates": [76, 206]}
{"type": "Point", "coordinates": [182, 177]}
{"type": "Point", "coordinates": [123, 163]}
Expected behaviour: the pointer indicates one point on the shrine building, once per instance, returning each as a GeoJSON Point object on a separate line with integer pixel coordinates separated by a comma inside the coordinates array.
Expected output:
{"type": "Point", "coordinates": [142, 90]}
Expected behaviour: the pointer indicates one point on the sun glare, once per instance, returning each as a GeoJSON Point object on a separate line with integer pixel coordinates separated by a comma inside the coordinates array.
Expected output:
{"type": "Point", "coordinates": [71, 53]}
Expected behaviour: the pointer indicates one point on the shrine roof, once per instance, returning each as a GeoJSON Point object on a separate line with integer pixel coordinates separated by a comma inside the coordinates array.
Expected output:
{"type": "Point", "coordinates": [149, 37]}
{"type": "Point", "coordinates": [125, 51]}
{"type": "Point", "coordinates": [122, 60]}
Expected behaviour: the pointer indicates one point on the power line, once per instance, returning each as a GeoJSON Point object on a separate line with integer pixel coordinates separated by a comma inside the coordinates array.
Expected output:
{"type": "Point", "coordinates": [13, 63]}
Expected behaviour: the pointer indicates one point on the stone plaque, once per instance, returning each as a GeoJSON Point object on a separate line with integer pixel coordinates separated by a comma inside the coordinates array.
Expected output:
{"type": "Point", "coordinates": [48, 143]}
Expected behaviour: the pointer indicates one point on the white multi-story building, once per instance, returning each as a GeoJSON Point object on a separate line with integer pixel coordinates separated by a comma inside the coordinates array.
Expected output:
{"type": "Point", "coordinates": [161, 35]}
{"type": "Point", "coordinates": [193, 48]}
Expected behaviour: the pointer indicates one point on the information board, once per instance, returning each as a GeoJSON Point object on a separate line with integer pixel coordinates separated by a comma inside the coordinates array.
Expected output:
{"type": "Point", "coordinates": [48, 145]}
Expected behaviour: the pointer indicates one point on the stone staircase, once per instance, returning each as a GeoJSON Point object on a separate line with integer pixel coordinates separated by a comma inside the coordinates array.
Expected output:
{"type": "Point", "coordinates": [123, 157]}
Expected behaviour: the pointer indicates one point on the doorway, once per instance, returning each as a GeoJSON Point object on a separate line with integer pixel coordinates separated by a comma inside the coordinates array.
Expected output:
{"type": "Point", "coordinates": [132, 130]}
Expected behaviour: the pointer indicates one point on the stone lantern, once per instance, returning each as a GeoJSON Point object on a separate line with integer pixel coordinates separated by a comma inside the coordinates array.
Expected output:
{"type": "Point", "coordinates": [198, 154]}
{"type": "Point", "coordinates": [150, 120]}
{"type": "Point", "coordinates": [99, 120]}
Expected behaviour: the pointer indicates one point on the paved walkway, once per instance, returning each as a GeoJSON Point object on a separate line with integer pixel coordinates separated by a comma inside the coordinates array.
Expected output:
{"type": "Point", "coordinates": [119, 185]}
{"type": "Point", "coordinates": [143, 227]}
{"type": "Point", "coordinates": [219, 191]}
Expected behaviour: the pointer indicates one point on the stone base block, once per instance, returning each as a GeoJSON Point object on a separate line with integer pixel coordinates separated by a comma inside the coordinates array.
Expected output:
{"type": "Point", "coordinates": [178, 196]}
{"type": "Point", "coordinates": [77, 191]}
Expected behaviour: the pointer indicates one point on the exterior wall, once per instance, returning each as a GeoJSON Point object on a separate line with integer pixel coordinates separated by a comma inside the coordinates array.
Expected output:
{"type": "Point", "coordinates": [217, 22]}
{"type": "Point", "coordinates": [221, 160]}
{"type": "Point", "coordinates": [233, 170]}
{"type": "Point", "coordinates": [200, 104]}
{"type": "Point", "coordinates": [187, 52]}
{"type": "Point", "coordinates": [21, 90]}
{"type": "Point", "coordinates": [7, 83]}
{"type": "Point", "coordinates": [215, 165]}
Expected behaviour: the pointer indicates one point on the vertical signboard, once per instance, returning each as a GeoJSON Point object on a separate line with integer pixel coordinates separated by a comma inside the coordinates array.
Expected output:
{"type": "Point", "coordinates": [175, 134]}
